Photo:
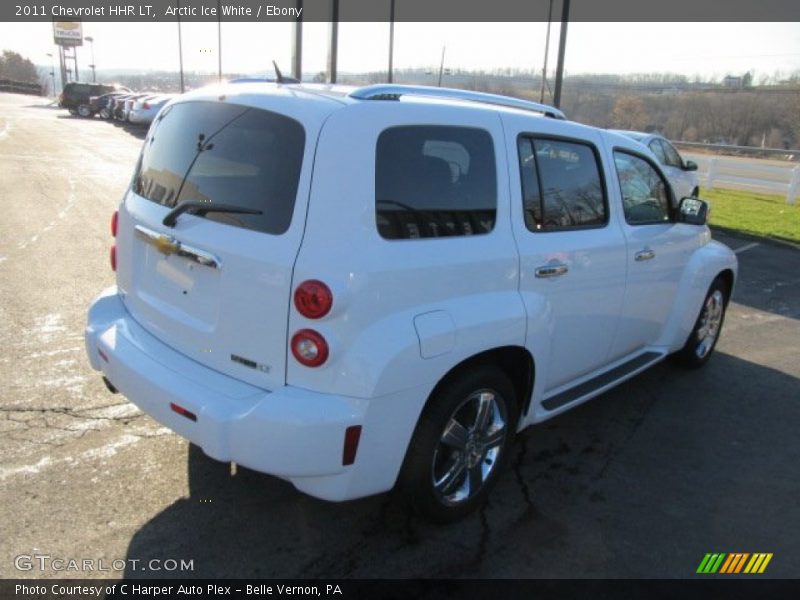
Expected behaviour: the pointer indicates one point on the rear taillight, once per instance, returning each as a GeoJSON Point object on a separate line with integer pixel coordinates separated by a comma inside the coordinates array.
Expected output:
{"type": "Point", "coordinates": [313, 299]}
{"type": "Point", "coordinates": [309, 348]}
{"type": "Point", "coordinates": [112, 254]}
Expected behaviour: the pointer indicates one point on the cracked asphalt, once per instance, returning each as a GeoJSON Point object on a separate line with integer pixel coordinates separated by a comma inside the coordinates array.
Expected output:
{"type": "Point", "coordinates": [640, 482]}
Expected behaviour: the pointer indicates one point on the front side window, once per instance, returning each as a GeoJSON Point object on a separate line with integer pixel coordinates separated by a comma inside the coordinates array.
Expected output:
{"type": "Point", "coordinates": [658, 150]}
{"type": "Point", "coordinates": [561, 185]}
{"type": "Point", "coordinates": [673, 158]}
{"type": "Point", "coordinates": [435, 181]}
{"type": "Point", "coordinates": [224, 154]}
{"type": "Point", "coordinates": [645, 195]}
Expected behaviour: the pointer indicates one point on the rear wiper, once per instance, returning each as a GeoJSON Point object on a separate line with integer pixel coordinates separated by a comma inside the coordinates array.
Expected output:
{"type": "Point", "coordinates": [201, 208]}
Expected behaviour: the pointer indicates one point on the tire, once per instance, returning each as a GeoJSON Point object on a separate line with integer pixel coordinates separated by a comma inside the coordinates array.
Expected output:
{"type": "Point", "coordinates": [104, 114]}
{"type": "Point", "coordinates": [84, 111]}
{"type": "Point", "coordinates": [457, 449]}
{"type": "Point", "coordinates": [703, 339]}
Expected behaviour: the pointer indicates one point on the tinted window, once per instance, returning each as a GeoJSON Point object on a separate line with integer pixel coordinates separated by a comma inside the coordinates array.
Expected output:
{"type": "Point", "coordinates": [644, 192]}
{"type": "Point", "coordinates": [673, 158]}
{"type": "Point", "coordinates": [658, 150]}
{"type": "Point", "coordinates": [561, 185]}
{"type": "Point", "coordinates": [224, 154]}
{"type": "Point", "coordinates": [435, 182]}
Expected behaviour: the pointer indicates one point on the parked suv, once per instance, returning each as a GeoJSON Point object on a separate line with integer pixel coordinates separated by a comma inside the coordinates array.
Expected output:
{"type": "Point", "coordinates": [354, 289]}
{"type": "Point", "coordinates": [75, 96]}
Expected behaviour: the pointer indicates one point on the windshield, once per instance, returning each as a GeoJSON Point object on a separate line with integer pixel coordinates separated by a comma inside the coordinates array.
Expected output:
{"type": "Point", "coordinates": [220, 153]}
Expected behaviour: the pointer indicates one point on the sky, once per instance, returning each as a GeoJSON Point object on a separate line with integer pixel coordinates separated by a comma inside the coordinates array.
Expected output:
{"type": "Point", "coordinates": [708, 50]}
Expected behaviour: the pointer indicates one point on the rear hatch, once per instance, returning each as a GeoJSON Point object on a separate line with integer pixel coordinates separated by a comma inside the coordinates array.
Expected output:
{"type": "Point", "coordinates": [216, 286]}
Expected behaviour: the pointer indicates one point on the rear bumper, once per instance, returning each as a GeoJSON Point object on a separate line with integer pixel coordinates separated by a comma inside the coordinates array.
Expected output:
{"type": "Point", "coordinates": [289, 432]}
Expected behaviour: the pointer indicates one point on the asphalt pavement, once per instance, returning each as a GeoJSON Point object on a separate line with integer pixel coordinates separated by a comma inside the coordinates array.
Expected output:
{"type": "Point", "coordinates": [640, 482]}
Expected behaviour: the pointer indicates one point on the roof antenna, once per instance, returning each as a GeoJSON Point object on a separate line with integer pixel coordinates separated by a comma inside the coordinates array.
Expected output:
{"type": "Point", "coordinates": [279, 76]}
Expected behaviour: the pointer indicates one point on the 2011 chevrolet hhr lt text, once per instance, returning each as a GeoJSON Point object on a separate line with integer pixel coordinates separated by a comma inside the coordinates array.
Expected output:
{"type": "Point", "coordinates": [357, 289]}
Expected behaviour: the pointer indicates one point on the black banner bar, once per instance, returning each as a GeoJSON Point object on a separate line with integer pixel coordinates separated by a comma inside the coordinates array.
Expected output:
{"type": "Point", "coordinates": [433, 589]}
{"type": "Point", "coordinates": [404, 11]}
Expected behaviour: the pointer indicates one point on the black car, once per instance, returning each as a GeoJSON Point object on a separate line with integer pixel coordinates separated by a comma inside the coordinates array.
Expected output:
{"type": "Point", "coordinates": [75, 97]}
{"type": "Point", "coordinates": [103, 105]}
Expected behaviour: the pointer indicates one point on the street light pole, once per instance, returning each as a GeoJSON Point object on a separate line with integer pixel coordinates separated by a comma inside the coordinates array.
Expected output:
{"type": "Point", "coordinates": [52, 71]}
{"type": "Point", "coordinates": [90, 39]}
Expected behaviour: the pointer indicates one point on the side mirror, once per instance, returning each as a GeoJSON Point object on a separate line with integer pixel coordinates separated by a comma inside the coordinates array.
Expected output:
{"type": "Point", "coordinates": [693, 211]}
{"type": "Point", "coordinates": [690, 165]}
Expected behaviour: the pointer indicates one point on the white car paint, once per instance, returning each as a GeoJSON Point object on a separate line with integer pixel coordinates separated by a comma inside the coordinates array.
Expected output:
{"type": "Point", "coordinates": [405, 312]}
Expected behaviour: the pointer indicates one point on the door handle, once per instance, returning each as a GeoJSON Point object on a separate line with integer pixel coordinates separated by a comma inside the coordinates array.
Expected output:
{"type": "Point", "coordinates": [551, 270]}
{"type": "Point", "coordinates": [645, 254]}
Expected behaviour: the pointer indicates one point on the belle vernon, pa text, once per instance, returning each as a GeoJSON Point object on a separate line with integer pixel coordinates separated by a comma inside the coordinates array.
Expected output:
{"type": "Point", "coordinates": [179, 590]}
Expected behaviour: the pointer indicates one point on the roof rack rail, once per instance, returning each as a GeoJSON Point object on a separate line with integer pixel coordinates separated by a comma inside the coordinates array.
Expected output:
{"type": "Point", "coordinates": [394, 92]}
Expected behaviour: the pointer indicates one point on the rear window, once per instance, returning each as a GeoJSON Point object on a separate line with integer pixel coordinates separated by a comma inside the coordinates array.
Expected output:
{"type": "Point", "coordinates": [224, 154]}
{"type": "Point", "coordinates": [434, 181]}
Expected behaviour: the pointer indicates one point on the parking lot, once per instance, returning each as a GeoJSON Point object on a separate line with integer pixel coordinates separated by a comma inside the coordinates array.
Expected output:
{"type": "Point", "coordinates": [640, 482]}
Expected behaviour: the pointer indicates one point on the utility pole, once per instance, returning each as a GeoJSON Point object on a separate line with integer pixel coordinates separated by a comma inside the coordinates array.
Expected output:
{"type": "Point", "coordinates": [90, 39]}
{"type": "Point", "coordinates": [391, 41]}
{"type": "Point", "coordinates": [297, 44]}
{"type": "Point", "coordinates": [52, 71]}
{"type": "Point", "coordinates": [333, 48]}
{"type": "Point", "coordinates": [219, 41]}
{"type": "Point", "coordinates": [562, 47]}
{"type": "Point", "coordinates": [180, 48]}
{"type": "Point", "coordinates": [441, 67]}
{"type": "Point", "coordinates": [546, 50]}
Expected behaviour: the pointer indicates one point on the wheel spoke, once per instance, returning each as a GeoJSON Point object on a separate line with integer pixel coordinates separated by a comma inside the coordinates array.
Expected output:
{"type": "Point", "coordinates": [447, 484]}
{"type": "Point", "coordinates": [485, 402]}
{"type": "Point", "coordinates": [455, 435]}
{"type": "Point", "coordinates": [475, 476]}
{"type": "Point", "coordinates": [495, 438]}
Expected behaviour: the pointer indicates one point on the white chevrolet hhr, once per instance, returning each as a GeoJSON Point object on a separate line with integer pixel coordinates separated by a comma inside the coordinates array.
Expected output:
{"type": "Point", "coordinates": [357, 289]}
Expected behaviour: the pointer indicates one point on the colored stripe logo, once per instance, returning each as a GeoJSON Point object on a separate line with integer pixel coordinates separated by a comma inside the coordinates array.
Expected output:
{"type": "Point", "coordinates": [733, 563]}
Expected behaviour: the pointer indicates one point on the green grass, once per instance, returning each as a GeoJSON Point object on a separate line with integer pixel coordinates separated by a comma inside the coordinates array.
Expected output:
{"type": "Point", "coordinates": [756, 214]}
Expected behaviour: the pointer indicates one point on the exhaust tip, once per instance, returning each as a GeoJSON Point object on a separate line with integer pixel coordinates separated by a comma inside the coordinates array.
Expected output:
{"type": "Point", "coordinates": [110, 386]}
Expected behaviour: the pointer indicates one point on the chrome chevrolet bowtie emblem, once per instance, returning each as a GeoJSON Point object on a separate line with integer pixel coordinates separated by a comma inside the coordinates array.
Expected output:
{"type": "Point", "coordinates": [166, 245]}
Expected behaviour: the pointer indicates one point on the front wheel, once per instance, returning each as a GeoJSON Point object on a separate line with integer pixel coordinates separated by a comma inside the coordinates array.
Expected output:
{"type": "Point", "coordinates": [460, 444]}
{"type": "Point", "coordinates": [704, 336]}
{"type": "Point", "coordinates": [84, 111]}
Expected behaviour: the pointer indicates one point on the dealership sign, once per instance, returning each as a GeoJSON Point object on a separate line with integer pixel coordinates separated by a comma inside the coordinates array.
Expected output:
{"type": "Point", "coordinates": [68, 33]}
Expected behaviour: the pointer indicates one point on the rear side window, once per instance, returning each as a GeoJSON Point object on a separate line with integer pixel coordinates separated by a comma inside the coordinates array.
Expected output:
{"type": "Point", "coordinates": [224, 154]}
{"type": "Point", "coordinates": [561, 185]}
{"type": "Point", "coordinates": [433, 181]}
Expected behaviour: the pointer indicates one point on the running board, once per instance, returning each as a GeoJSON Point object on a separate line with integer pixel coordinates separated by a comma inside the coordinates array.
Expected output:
{"type": "Point", "coordinates": [602, 380]}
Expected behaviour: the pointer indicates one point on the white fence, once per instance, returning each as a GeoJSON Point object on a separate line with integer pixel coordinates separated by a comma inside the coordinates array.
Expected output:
{"type": "Point", "coordinates": [748, 174]}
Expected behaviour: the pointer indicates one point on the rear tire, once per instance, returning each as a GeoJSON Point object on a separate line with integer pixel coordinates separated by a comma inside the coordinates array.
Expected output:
{"type": "Point", "coordinates": [85, 111]}
{"type": "Point", "coordinates": [460, 444]}
{"type": "Point", "coordinates": [703, 338]}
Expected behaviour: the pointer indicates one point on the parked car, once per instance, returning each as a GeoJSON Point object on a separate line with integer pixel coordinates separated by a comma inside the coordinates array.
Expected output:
{"type": "Point", "coordinates": [360, 289]}
{"type": "Point", "coordinates": [681, 174]}
{"type": "Point", "coordinates": [99, 105]}
{"type": "Point", "coordinates": [75, 96]}
{"type": "Point", "coordinates": [145, 109]}
{"type": "Point", "coordinates": [117, 110]}
{"type": "Point", "coordinates": [126, 108]}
